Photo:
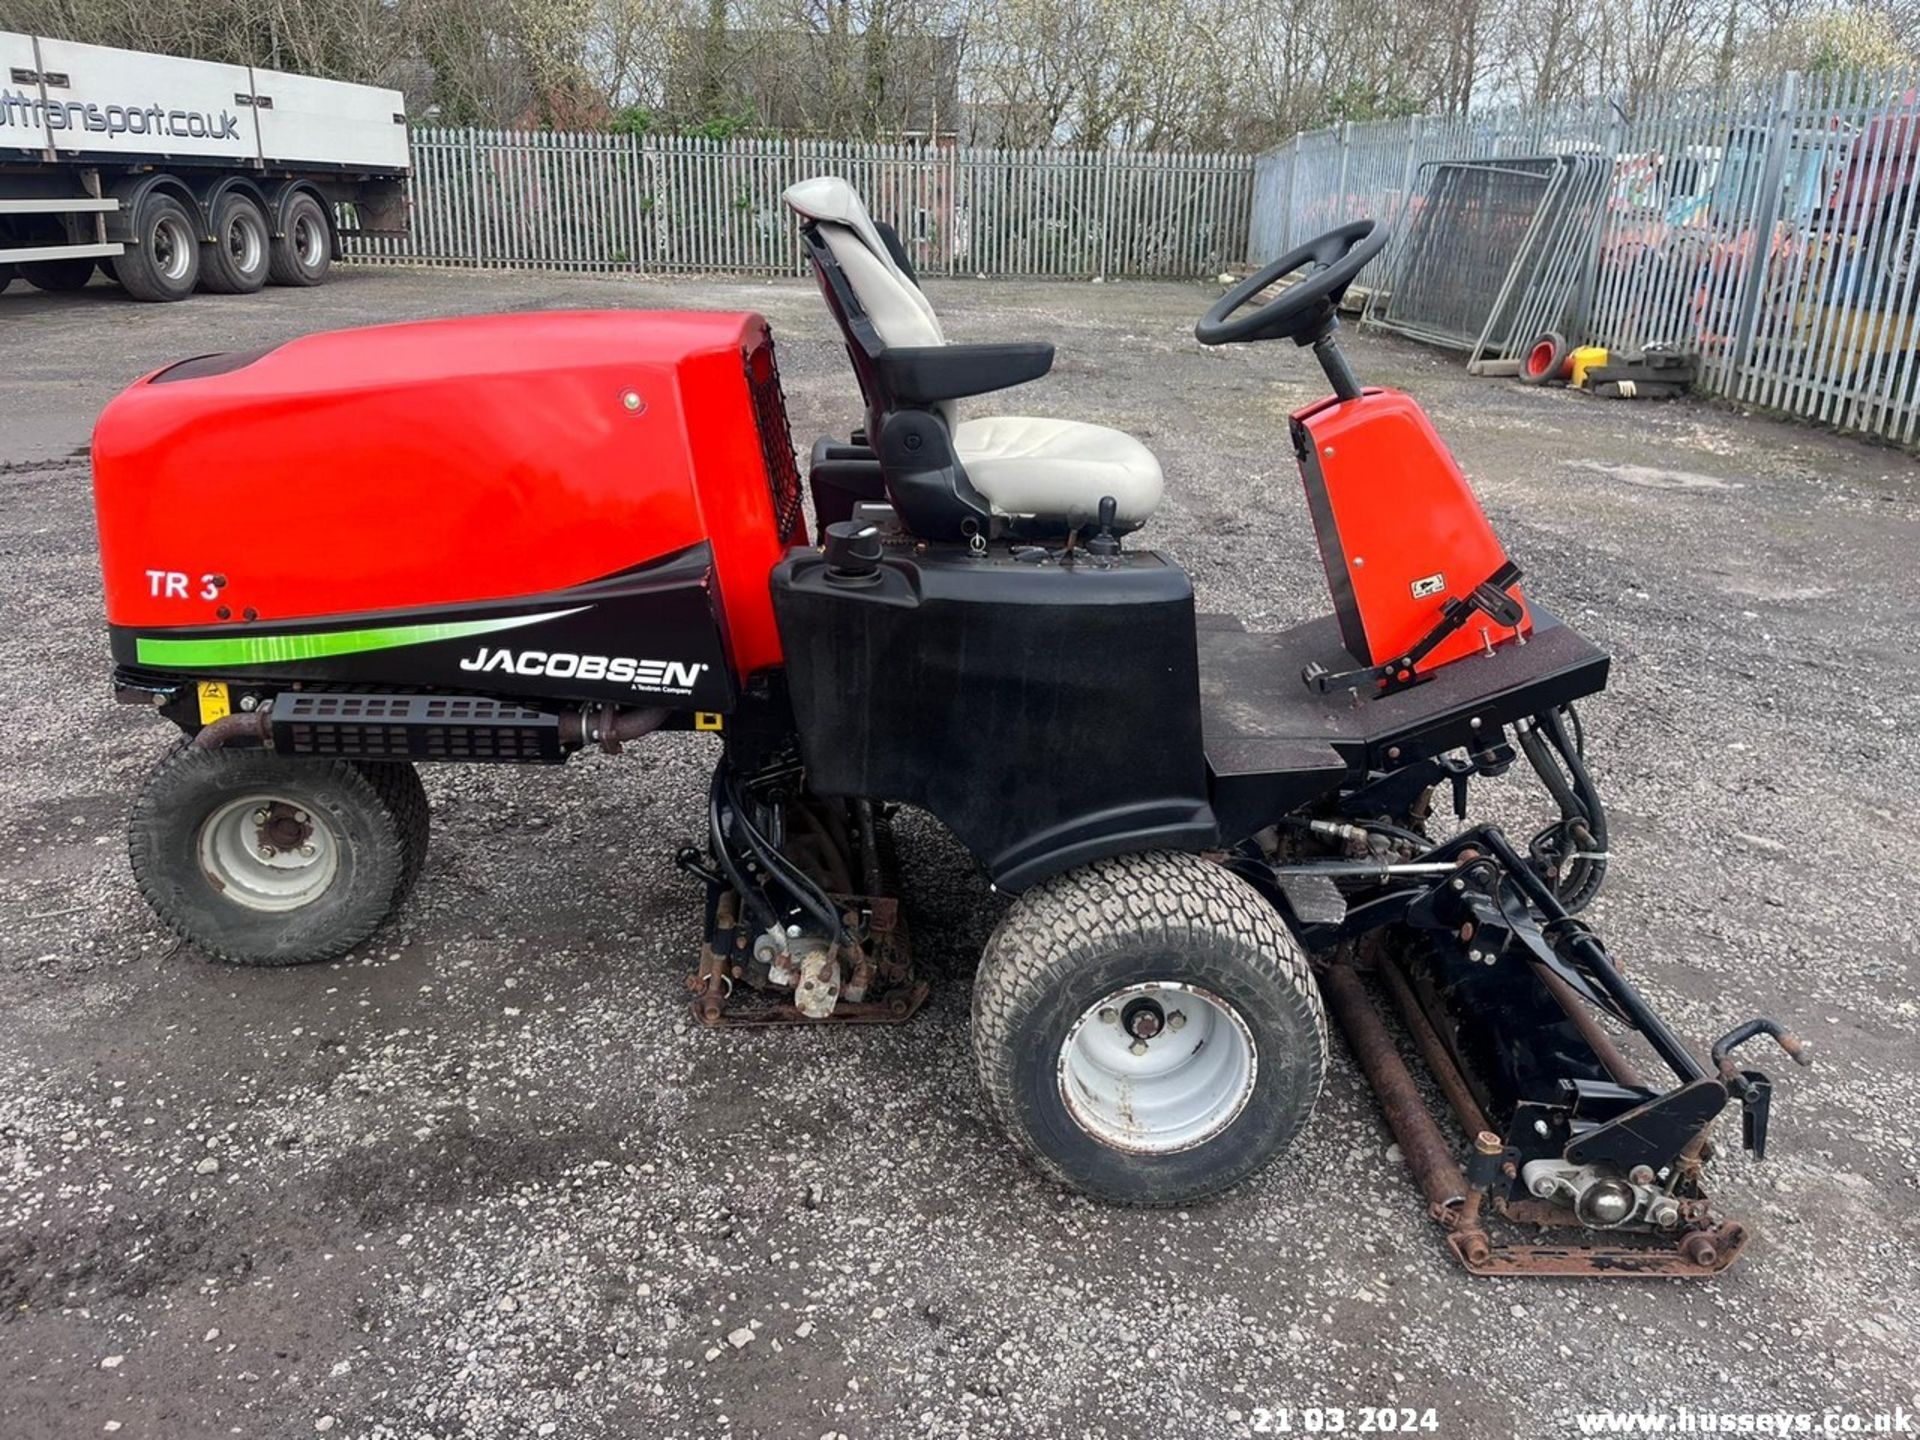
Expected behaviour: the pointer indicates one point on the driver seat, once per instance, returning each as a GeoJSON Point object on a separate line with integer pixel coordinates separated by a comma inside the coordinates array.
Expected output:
{"type": "Point", "coordinates": [1014, 473]}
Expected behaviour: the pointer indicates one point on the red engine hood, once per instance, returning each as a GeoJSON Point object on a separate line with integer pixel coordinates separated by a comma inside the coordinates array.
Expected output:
{"type": "Point", "coordinates": [435, 463]}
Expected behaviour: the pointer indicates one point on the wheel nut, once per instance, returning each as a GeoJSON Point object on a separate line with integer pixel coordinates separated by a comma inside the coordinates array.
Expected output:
{"type": "Point", "coordinates": [299, 817]}
{"type": "Point", "coordinates": [1109, 1016]}
{"type": "Point", "coordinates": [1176, 1020]}
{"type": "Point", "coordinates": [306, 849]}
{"type": "Point", "coordinates": [260, 817]}
{"type": "Point", "coordinates": [267, 852]}
{"type": "Point", "coordinates": [1139, 1047]}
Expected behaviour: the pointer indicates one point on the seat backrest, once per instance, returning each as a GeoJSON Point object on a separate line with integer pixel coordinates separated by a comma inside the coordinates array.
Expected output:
{"type": "Point", "coordinates": [900, 310]}
{"type": "Point", "coordinates": [889, 327]}
{"type": "Point", "coordinates": [885, 300]}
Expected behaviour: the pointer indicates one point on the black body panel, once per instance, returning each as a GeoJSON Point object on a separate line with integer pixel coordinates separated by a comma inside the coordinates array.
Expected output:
{"type": "Point", "coordinates": [1047, 712]}
{"type": "Point", "coordinates": [649, 636]}
{"type": "Point", "coordinates": [1333, 555]}
{"type": "Point", "coordinates": [841, 475]}
{"type": "Point", "coordinates": [1274, 744]}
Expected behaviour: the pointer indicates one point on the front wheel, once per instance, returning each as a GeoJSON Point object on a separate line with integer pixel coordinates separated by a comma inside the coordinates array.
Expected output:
{"type": "Point", "coordinates": [1147, 1029]}
{"type": "Point", "coordinates": [263, 860]}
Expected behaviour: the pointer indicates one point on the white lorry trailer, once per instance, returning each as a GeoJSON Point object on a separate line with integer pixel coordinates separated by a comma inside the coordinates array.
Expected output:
{"type": "Point", "coordinates": [173, 174]}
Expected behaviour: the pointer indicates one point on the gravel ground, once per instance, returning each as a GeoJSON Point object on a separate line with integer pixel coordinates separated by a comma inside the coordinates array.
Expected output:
{"type": "Point", "coordinates": [482, 1179]}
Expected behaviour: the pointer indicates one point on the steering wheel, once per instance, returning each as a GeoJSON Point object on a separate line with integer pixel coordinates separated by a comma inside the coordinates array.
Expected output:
{"type": "Point", "coordinates": [1300, 312]}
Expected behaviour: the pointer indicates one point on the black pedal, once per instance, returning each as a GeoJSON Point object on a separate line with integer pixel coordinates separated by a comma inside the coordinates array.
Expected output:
{"type": "Point", "coordinates": [1314, 899]}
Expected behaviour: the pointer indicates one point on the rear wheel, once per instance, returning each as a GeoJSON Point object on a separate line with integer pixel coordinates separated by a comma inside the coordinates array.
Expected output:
{"type": "Point", "coordinates": [1147, 1029]}
{"type": "Point", "coordinates": [163, 263]}
{"type": "Point", "coordinates": [303, 253]}
{"type": "Point", "coordinates": [58, 276]}
{"type": "Point", "coordinates": [262, 860]}
{"type": "Point", "coordinates": [237, 259]}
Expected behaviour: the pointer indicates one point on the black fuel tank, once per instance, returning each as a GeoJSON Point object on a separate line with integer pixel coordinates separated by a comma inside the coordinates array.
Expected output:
{"type": "Point", "coordinates": [1047, 712]}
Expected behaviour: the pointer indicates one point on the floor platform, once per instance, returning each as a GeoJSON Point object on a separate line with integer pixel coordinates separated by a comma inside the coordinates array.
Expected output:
{"type": "Point", "coordinates": [1274, 743]}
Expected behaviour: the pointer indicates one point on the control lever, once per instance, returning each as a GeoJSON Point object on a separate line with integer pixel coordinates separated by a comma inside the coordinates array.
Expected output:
{"type": "Point", "coordinates": [1105, 545]}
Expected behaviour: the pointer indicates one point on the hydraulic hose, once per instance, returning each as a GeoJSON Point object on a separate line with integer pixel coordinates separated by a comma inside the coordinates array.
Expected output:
{"type": "Point", "coordinates": [751, 896]}
{"type": "Point", "coordinates": [1547, 746]}
{"type": "Point", "coordinates": [1572, 750]}
{"type": "Point", "coordinates": [808, 895]}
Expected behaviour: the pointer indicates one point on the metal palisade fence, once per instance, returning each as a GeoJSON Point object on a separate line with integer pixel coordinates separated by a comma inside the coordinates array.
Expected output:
{"type": "Point", "coordinates": [661, 204]}
{"type": "Point", "coordinates": [1772, 232]}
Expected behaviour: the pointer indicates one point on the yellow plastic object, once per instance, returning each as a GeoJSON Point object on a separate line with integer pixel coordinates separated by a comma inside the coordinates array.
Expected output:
{"type": "Point", "coordinates": [1585, 358]}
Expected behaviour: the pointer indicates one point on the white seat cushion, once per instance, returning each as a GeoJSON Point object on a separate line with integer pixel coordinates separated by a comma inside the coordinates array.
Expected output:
{"type": "Point", "coordinates": [1058, 469]}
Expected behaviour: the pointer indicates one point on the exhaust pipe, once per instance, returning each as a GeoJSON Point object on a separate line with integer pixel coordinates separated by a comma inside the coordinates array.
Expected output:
{"type": "Point", "coordinates": [609, 727]}
{"type": "Point", "coordinates": [241, 725]}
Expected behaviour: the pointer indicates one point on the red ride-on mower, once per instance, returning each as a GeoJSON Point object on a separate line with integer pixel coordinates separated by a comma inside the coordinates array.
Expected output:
{"type": "Point", "coordinates": [510, 538]}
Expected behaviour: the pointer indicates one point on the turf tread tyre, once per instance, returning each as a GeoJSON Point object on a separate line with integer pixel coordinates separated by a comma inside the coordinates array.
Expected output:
{"type": "Point", "coordinates": [1065, 944]}
{"type": "Point", "coordinates": [189, 784]}
{"type": "Point", "coordinates": [399, 785]}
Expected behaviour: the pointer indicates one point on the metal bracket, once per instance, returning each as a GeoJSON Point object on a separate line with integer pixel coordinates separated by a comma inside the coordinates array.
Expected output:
{"type": "Point", "coordinates": [1489, 597]}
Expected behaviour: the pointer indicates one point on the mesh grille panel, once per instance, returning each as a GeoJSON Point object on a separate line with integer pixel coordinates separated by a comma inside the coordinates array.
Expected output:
{"type": "Point", "coordinates": [776, 439]}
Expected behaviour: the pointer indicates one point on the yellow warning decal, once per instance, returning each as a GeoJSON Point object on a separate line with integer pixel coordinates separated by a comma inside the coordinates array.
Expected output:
{"type": "Point", "coordinates": [214, 704]}
{"type": "Point", "coordinates": [707, 720]}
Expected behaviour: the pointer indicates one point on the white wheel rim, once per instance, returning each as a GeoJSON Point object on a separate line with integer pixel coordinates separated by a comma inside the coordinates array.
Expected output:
{"type": "Point", "coordinates": [308, 239]}
{"type": "Point", "coordinates": [172, 247]}
{"type": "Point", "coordinates": [243, 244]}
{"type": "Point", "coordinates": [268, 853]}
{"type": "Point", "coordinates": [1135, 1077]}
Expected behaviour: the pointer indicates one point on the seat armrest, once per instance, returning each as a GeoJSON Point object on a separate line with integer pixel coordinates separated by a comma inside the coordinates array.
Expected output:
{"type": "Point", "coordinates": [927, 374]}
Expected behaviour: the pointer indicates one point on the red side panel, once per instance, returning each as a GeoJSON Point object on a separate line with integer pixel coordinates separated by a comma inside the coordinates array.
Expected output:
{"type": "Point", "coordinates": [437, 463]}
{"type": "Point", "coordinates": [1399, 528]}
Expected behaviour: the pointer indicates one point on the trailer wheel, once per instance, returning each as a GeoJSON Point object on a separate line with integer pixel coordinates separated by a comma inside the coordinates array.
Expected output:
{"type": "Point", "coordinates": [58, 276]}
{"type": "Point", "coordinates": [303, 252]}
{"type": "Point", "coordinates": [399, 785]}
{"type": "Point", "coordinates": [1147, 1029]}
{"type": "Point", "coordinates": [261, 860]}
{"type": "Point", "coordinates": [164, 262]}
{"type": "Point", "coordinates": [237, 259]}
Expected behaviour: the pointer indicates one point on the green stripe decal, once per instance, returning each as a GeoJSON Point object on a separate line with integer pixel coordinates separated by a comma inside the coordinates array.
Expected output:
{"type": "Point", "coordinates": [280, 649]}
